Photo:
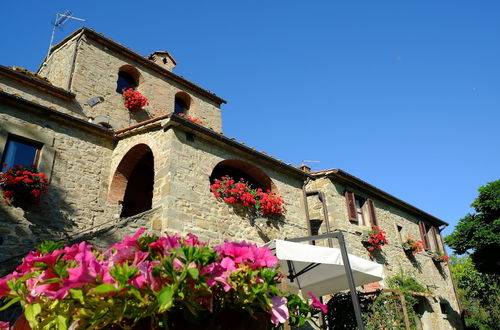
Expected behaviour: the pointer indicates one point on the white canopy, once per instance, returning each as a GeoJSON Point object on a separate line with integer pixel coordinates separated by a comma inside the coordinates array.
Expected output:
{"type": "Point", "coordinates": [321, 269]}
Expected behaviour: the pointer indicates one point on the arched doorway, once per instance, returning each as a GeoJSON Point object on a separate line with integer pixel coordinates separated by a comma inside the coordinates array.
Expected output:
{"type": "Point", "coordinates": [133, 181]}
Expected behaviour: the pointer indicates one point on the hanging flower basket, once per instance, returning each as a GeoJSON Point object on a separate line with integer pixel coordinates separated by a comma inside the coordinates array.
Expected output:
{"type": "Point", "coordinates": [439, 257]}
{"type": "Point", "coordinates": [413, 246]}
{"type": "Point", "coordinates": [134, 100]}
{"type": "Point", "coordinates": [374, 240]}
{"type": "Point", "coordinates": [22, 184]}
{"type": "Point", "coordinates": [151, 282]}
{"type": "Point", "coordinates": [256, 201]}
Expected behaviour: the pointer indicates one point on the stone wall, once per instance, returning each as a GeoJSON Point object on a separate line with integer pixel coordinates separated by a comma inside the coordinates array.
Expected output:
{"type": "Point", "coordinates": [34, 95]}
{"type": "Point", "coordinates": [182, 190]}
{"type": "Point", "coordinates": [95, 74]}
{"type": "Point", "coordinates": [78, 173]}
{"type": "Point", "coordinates": [436, 277]}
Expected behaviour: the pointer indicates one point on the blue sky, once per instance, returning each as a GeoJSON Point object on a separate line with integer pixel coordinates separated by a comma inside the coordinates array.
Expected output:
{"type": "Point", "coordinates": [403, 94]}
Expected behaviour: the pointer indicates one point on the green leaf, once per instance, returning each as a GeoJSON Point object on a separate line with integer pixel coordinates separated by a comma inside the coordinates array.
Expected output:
{"type": "Point", "coordinates": [31, 312]}
{"type": "Point", "coordinates": [10, 303]}
{"type": "Point", "coordinates": [165, 300]}
{"type": "Point", "coordinates": [77, 294]}
{"type": "Point", "coordinates": [104, 288]}
{"type": "Point", "coordinates": [62, 322]}
{"type": "Point", "coordinates": [194, 272]}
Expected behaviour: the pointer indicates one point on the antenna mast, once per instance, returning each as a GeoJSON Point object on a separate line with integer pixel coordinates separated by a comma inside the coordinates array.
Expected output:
{"type": "Point", "coordinates": [60, 20]}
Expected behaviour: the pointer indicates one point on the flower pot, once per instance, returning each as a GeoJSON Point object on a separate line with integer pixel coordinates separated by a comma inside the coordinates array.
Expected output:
{"type": "Point", "coordinates": [226, 319]}
{"type": "Point", "coordinates": [21, 324]}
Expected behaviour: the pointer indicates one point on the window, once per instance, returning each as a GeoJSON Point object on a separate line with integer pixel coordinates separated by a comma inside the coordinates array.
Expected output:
{"type": "Point", "coordinates": [19, 151]}
{"type": "Point", "coordinates": [182, 103]}
{"type": "Point", "coordinates": [429, 236]}
{"type": "Point", "coordinates": [360, 210]}
{"type": "Point", "coordinates": [125, 81]}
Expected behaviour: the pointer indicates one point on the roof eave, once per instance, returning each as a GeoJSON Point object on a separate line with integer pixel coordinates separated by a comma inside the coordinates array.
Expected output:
{"type": "Point", "coordinates": [345, 177]}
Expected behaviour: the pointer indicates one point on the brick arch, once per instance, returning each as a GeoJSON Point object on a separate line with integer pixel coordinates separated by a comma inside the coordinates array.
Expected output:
{"type": "Point", "coordinates": [237, 168]}
{"type": "Point", "coordinates": [133, 180]}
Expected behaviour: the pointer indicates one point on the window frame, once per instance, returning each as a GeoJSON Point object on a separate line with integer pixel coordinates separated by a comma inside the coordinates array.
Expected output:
{"type": "Point", "coordinates": [43, 137]}
{"type": "Point", "coordinates": [35, 144]}
{"type": "Point", "coordinates": [367, 211]}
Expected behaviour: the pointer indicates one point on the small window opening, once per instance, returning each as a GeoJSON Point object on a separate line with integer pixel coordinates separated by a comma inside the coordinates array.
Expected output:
{"type": "Point", "coordinates": [400, 230]}
{"type": "Point", "coordinates": [125, 81]}
{"type": "Point", "coordinates": [180, 106]}
{"type": "Point", "coordinates": [20, 151]}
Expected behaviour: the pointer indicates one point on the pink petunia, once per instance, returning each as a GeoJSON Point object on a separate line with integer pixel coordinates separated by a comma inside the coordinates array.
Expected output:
{"type": "Point", "coordinates": [317, 304]}
{"type": "Point", "coordinates": [279, 310]}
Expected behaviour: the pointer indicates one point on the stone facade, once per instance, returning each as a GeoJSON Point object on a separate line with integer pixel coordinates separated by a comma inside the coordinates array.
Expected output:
{"type": "Point", "coordinates": [165, 163]}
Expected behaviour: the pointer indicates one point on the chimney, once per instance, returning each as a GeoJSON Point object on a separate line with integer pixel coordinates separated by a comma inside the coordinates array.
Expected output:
{"type": "Point", "coordinates": [305, 168]}
{"type": "Point", "coordinates": [163, 59]}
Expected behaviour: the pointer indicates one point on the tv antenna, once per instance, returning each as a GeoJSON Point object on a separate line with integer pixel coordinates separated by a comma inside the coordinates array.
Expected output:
{"type": "Point", "coordinates": [60, 20]}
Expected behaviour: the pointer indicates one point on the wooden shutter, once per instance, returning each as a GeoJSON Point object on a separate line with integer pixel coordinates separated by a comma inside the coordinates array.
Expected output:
{"type": "Point", "coordinates": [371, 211]}
{"type": "Point", "coordinates": [425, 240]}
{"type": "Point", "coordinates": [434, 236]}
{"type": "Point", "coordinates": [351, 206]}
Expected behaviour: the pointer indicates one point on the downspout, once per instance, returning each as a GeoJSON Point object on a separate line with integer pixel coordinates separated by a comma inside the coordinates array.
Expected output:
{"type": "Point", "coordinates": [73, 61]}
{"type": "Point", "coordinates": [460, 310]}
{"type": "Point", "coordinates": [306, 206]}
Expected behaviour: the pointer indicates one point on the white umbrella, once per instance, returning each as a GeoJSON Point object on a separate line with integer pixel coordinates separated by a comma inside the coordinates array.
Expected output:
{"type": "Point", "coordinates": [321, 269]}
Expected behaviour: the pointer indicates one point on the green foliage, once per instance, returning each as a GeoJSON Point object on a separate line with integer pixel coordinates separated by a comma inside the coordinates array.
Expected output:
{"type": "Point", "coordinates": [480, 232]}
{"type": "Point", "coordinates": [385, 314]}
{"type": "Point", "coordinates": [49, 246]}
{"type": "Point", "coordinates": [479, 294]}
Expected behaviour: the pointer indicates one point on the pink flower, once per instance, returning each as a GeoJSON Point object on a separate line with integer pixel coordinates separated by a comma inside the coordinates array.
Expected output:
{"type": "Point", "coordinates": [4, 288]}
{"type": "Point", "coordinates": [146, 269]}
{"type": "Point", "coordinates": [4, 325]}
{"type": "Point", "coordinates": [177, 264]}
{"type": "Point", "coordinates": [317, 304]}
{"type": "Point", "coordinates": [216, 273]}
{"type": "Point", "coordinates": [164, 244]}
{"type": "Point", "coordinates": [279, 310]}
{"type": "Point", "coordinates": [193, 240]}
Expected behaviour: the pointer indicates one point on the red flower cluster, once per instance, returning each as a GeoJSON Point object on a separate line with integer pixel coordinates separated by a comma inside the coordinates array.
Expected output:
{"type": "Point", "coordinates": [240, 192]}
{"type": "Point", "coordinates": [193, 119]}
{"type": "Point", "coordinates": [440, 257]}
{"type": "Point", "coordinates": [413, 245]}
{"type": "Point", "coordinates": [133, 99]}
{"type": "Point", "coordinates": [376, 239]}
{"type": "Point", "coordinates": [22, 181]}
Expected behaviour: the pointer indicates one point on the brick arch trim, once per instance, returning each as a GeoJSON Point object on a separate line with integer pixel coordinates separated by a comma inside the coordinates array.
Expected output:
{"type": "Point", "coordinates": [123, 171]}
{"type": "Point", "coordinates": [251, 172]}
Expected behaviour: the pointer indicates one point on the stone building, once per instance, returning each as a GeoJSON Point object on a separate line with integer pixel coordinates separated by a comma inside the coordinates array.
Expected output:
{"type": "Point", "coordinates": [112, 170]}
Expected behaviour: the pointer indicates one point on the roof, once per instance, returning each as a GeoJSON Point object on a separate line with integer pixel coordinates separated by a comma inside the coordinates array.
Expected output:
{"type": "Point", "coordinates": [32, 79]}
{"type": "Point", "coordinates": [140, 59]}
{"type": "Point", "coordinates": [176, 120]}
{"type": "Point", "coordinates": [52, 113]}
{"type": "Point", "coordinates": [344, 177]}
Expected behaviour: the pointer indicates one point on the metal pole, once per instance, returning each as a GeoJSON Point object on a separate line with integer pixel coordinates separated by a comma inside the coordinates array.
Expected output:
{"type": "Point", "coordinates": [350, 280]}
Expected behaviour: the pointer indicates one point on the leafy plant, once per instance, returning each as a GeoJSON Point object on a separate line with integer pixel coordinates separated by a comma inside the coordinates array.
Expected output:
{"type": "Point", "coordinates": [479, 294]}
{"type": "Point", "coordinates": [149, 280]}
{"type": "Point", "coordinates": [414, 246]}
{"type": "Point", "coordinates": [480, 232]}
{"type": "Point", "coordinates": [258, 202]}
{"type": "Point", "coordinates": [22, 182]}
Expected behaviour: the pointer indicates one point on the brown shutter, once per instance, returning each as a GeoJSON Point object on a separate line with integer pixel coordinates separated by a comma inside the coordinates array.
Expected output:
{"type": "Point", "coordinates": [351, 206]}
{"type": "Point", "coordinates": [421, 226]}
{"type": "Point", "coordinates": [434, 236]}
{"type": "Point", "coordinates": [371, 210]}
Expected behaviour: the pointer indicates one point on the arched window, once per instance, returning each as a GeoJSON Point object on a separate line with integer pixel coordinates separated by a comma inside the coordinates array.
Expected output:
{"type": "Point", "coordinates": [182, 103]}
{"type": "Point", "coordinates": [128, 77]}
{"type": "Point", "coordinates": [133, 181]}
{"type": "Point", "coordinates": [238, 169]}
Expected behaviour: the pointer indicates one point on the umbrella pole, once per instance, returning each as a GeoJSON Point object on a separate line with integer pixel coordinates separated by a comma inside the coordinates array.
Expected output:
{"type": "Point", "coordinates": [350, 280]}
